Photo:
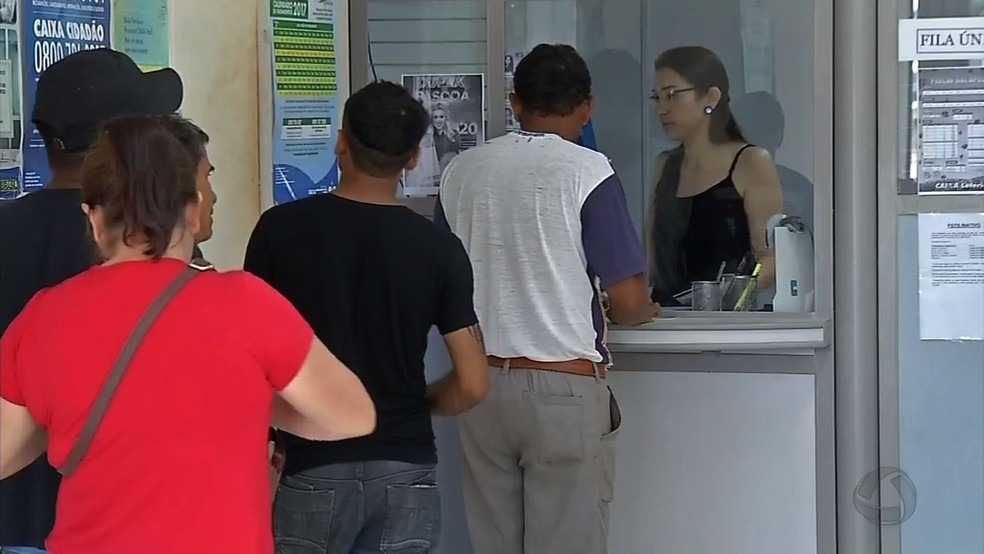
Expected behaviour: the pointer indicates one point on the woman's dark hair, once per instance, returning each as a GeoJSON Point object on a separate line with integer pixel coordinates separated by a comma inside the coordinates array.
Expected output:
{"type": "Point", "coordinates": [142, 178]}
{"type": "Point", "coordinates": [704, 70]}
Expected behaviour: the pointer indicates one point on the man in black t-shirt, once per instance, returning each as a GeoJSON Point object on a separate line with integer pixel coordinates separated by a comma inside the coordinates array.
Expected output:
{"type": "Point", "coordinates": [372, 278]}
{"type": "Point", "coordinates": [43, 236]}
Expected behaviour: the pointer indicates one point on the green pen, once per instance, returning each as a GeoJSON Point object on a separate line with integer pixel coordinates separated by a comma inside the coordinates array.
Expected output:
{"type": "Point", "coordinates": [740, 305]}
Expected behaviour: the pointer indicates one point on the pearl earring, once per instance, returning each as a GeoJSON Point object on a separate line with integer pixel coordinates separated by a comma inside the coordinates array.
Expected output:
{"type": "Point", "coordinates": [709, 110]}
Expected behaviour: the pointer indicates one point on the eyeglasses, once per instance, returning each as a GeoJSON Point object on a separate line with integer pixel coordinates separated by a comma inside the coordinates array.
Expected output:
{"type": "Point", "coordinates": [669, 96]}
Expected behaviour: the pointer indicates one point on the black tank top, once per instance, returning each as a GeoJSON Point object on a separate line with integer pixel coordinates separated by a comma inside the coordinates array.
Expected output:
{"type": "Point", "coordinates": [718, 229]}
{"type": "Point", "coordinates": [691, 236]}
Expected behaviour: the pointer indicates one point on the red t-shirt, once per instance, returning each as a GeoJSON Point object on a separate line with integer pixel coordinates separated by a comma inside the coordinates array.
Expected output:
{"type": "Point", "coordinates": [179, 463]}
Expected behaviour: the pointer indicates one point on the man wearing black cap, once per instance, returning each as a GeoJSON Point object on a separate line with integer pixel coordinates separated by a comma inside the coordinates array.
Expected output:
{"type": "Point", "coordinates": [43, 236]}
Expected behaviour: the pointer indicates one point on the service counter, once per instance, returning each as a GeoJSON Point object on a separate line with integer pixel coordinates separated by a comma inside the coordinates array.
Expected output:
{"type": "Point", "coordinates": [723, 332]}
{"type": "Point", "coordinates": [727, 440]}
{"type": "Point", "coordinates": [727, 436]}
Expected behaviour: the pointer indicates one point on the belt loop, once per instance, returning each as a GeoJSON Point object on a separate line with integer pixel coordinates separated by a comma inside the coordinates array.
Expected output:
{"type": "Point", "coordinates": [505, 366]}
{"type": "Point", "coordinates": [597, 372]}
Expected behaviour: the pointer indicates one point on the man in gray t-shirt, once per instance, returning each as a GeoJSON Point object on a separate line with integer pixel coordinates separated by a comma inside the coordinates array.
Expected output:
{"type": "Point", "coordinates": [547, 229]}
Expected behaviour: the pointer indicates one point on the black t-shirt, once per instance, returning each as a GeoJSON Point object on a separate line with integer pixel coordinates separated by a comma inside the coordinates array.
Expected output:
{"type": "Point", "coordinates": [371, 280]}
{"type": "Point", "coordinates": [43, 241]}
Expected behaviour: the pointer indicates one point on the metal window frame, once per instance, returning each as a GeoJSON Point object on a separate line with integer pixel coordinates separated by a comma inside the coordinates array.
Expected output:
{"type": "Point", "coordinates": [856, 264]}
{"type": "Point", "coordinates": [889, 208]}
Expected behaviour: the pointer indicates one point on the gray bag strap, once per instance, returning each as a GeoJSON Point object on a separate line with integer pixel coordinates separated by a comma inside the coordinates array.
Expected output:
{"type": "Point", "coordinates": [112, 381]}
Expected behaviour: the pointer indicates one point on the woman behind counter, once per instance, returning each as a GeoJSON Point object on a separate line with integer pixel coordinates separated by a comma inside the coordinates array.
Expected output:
{"type": "Point", "coordinates": [714, 193]}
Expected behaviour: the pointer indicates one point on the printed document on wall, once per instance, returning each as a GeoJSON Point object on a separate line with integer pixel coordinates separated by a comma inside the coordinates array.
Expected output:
{"type": "Point", "coordinates": [941, 38]}
{"type": "Point", "coordinates": [951, 131]}
{"type": "Point", "coordinates": [456, 104]}
{"type": "Point", "coordinates": [951, 276]}
{"type": "Point", "coordinates": [140, 29]}
{"type": "Point", "coordinates": [306, 108]}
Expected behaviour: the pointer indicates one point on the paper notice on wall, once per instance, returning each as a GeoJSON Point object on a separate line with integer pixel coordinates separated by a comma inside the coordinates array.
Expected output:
{"type": "Point", "coordinates": [941, 38]}
{"type": "Point", "coordinates": [951, 276]}
{"type": "Point", "coordinates": [951, 131]}
{"type": "Point", "coordinates": [140, 29]}
{"type": "Point", "coordinates": [456, 104]}
{"type": "Point", "coordinates": [307, 109]}
{"type": "Point", "coordinates": [54, 30]}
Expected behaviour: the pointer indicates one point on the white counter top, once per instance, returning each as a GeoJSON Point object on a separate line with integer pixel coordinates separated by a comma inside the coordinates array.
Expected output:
{"type": "Point", "coordinates": [726, 332]}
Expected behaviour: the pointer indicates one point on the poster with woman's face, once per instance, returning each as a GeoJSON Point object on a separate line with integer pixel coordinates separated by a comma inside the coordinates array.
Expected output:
{"type": "Point", "coordinates": [8, 11]}
{"type": "Point", "coordinates": [456, 104]}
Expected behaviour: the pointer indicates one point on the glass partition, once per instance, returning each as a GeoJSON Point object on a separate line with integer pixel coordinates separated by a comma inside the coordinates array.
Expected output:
{"type": "Point", "coordinates": [767, 50]}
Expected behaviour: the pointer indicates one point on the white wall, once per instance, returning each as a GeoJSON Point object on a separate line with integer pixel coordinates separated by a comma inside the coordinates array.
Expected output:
{"type": "Point", "coordinates": [213, 47]}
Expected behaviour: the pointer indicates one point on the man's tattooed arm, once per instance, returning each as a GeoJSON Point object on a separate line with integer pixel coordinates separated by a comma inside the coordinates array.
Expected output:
{"type": "Point", "coordinates": [468, 382]}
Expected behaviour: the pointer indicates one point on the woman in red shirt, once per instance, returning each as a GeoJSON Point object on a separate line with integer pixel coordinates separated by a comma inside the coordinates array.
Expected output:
{"type": "Point", "coordinates": [179, 461]}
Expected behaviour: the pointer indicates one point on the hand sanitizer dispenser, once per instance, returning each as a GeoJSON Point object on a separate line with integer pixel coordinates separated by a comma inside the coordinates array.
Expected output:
{"type": "Point", "coordinates": [792, 242]}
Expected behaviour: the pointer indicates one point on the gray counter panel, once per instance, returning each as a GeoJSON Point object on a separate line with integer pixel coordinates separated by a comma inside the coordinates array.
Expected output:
{"type": "Point", "coordinates": [715, 462]}
{"type": "Point", "coordinates": [799, 334]}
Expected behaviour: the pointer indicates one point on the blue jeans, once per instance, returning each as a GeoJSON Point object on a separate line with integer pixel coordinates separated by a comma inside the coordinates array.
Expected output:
{"type": "Point", "coordinates": [359, 508]}
{"type": "Point", "coordinates": [21, 550]}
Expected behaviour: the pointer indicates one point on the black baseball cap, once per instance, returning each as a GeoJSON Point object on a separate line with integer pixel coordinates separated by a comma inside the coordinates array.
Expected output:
{"type": "Point", "coordinates": [79, 93]}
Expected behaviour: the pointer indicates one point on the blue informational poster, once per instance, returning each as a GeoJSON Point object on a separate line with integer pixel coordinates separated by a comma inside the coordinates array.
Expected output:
{"type": "Point", "coordinates": [306, 110]}
{"type": "Point", "coordinates": [53, 30]}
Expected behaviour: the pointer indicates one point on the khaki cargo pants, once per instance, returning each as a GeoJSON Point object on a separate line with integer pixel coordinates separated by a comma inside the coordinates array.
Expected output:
{"type": "Point", "coordinates": [539, 463]}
